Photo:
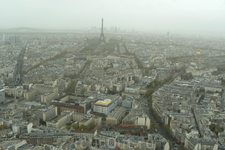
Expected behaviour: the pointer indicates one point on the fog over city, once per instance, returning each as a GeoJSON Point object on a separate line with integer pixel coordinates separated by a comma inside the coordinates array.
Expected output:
{"type": "Point", "coordinates": [112, 75]}
{"type": "Point", "coordinates": [142, 15]}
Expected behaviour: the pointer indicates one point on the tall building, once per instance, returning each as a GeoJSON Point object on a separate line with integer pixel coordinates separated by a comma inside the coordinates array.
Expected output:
{"type": "Point", "coordinates": [2, 95]}
{"type": "Point", "coordinates": [14, 40]}
{"type": "Point", "coordinates": [102, 38]}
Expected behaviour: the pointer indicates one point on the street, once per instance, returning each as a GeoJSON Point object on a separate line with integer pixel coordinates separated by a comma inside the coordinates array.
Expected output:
{"type": "Point", "coordinates": [145, 106]}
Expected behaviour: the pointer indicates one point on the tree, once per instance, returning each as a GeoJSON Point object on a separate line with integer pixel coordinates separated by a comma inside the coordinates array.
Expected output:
{"type": "Point", "coordinates": [167, 129]}
{"type": "Point", "coordinates": [182, 147]}
{"type": "Point", "coordinates": [8, 95]}
{"type": "Point", "coordinates": [71, 87]}
{"type": "Point", "coordinates": [149, 92]}
{"type": "Point", "coordinates": [150, 99]}
{"type": "Point", "coordinates": [202, 96]}
{"type": "Point", "coordinates": [3, 127]}
{"type": "Point", "coordinates": [68, 127]}
{"type": "Point", "coordinates": [75, 126]}
{"type": "Point", "coordinates": [186, 76]}
{"type": "Point", "coordinates": [155, 115]}
{"type": "Point", "coordinates": [42, 122]}
{"type": "Point", "coordinates": [24, 112]}
{"type": "Point", "coordinates": [83, 127]}
{"type": "Point", "coordinates": [215, 128]}
{"type": "Point", "coordinates": [202, 90]}
{"type": "Point", "coordinates": [218, 129]}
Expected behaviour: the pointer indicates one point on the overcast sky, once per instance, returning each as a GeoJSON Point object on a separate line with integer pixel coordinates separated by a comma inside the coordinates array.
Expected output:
{"type": "Point", "coordinates": [148, 15]}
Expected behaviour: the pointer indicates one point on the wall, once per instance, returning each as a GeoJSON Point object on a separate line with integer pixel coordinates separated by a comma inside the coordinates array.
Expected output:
{"type": "Point", "coordinates": [49, 97]}
{"type": "Point", "coordinates": [30, 95]}
{"type": "Point", "coordinates": [52, 112]}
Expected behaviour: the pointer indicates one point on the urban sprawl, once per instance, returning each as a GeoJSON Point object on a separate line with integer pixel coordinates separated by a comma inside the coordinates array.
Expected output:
{"type": "Point", "coordinates": [128, 91]}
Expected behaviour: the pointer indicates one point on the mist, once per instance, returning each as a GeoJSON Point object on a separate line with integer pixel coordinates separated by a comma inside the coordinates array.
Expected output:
{"type": "Point", "coordinates": [143, 15]}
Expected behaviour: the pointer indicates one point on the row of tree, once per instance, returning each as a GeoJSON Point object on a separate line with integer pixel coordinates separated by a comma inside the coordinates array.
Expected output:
{"type": "Point", "coordinates": [91, 126]}
{"type": "Point", "coordinates": [62, 54]}
{"type": "Point", "coordinates": [71, 87]}
{"type": "Point", "coordinates": [186, 76]}
{"type": "Point", "coordinates": [152, 87]}
{"type": "Point", "coordinates": [3, 127]}
{"type": "Point", "coordinates": [92, 44]}
{"type": "Point", "coordinates": [215, 128]}
{"type": "Point", "coordinates": [8, 95]}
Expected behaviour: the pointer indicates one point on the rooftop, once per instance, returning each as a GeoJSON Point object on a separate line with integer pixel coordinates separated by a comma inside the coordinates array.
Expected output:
{"type": "Point", "coordinates": [104, 102]}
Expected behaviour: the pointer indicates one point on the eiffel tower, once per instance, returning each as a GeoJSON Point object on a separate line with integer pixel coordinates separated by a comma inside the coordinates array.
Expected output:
{"type": "Point", "coordinates": [102, 38]}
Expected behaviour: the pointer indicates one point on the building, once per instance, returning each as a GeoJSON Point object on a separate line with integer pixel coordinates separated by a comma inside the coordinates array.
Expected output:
{"type": "Point", "coordinates": [14, 40]}
{"type": "Point", "coordinates": [200, 144]}
{"type": "Point", "coordinates": [57, 122]}
{"type": "Point", "coordinates": [4, 113]}
{"type": "Point", "coordinates": [213, 88]}
{"type": "Point", "coordinates": [47, 113]}
{"type": "Point", "coordinates": [116, 116]}
{"type": "Point", "coordinates": [22, 127]}
{"type": "Point", "coordinates": [127, 103]}
{"type": "Point", "coordinates": [130, 128]}
{"type": "Point", "coordinates": [143, 121]}
{"type": "Point", "coordinates": [137, 117]}
{"type": "Point", "coordinates": [65, 106]}
{"type": "Point", "coordinates": [79, 133]}
{"type": "Point", "coordinates": [131, 94]}
{"type": "Point", "coordinates": [105, 106]}
{"type": "Point", "coordinates": [14, 91]}
{"type": "Point", "coordinates": [12, 144]}
{"type": "Point", "coordinates": [82, 101]}
{"type": "Point", "coordinates": [2, 95]}
{"type": "Point", "coordinates": [48, 97]}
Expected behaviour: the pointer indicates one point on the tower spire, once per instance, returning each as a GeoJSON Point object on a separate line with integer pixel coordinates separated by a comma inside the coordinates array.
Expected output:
{"type": "Point", "coordinates": [102, 38]}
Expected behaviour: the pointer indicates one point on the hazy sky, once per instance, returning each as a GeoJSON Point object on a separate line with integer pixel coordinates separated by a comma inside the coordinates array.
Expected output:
{"type": "Point", "coordinates": [149, 15]}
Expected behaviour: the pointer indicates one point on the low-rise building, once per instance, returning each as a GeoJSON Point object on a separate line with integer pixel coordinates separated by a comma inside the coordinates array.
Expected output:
{"type": "Point", "coordinates": [198, 143]}
{"type": "Point", "coordinates": [137, 117]}
{"type": "Point", "coordinates": [116, 116]}
{"type": "Point", "coordinates": [65, 106]}
{"type": "Point", "coordinates": [47, 113]}
{"type": "Point", "coordinates": [57, 122]}
{"type": "Point", "coordinates": [12, 144]}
